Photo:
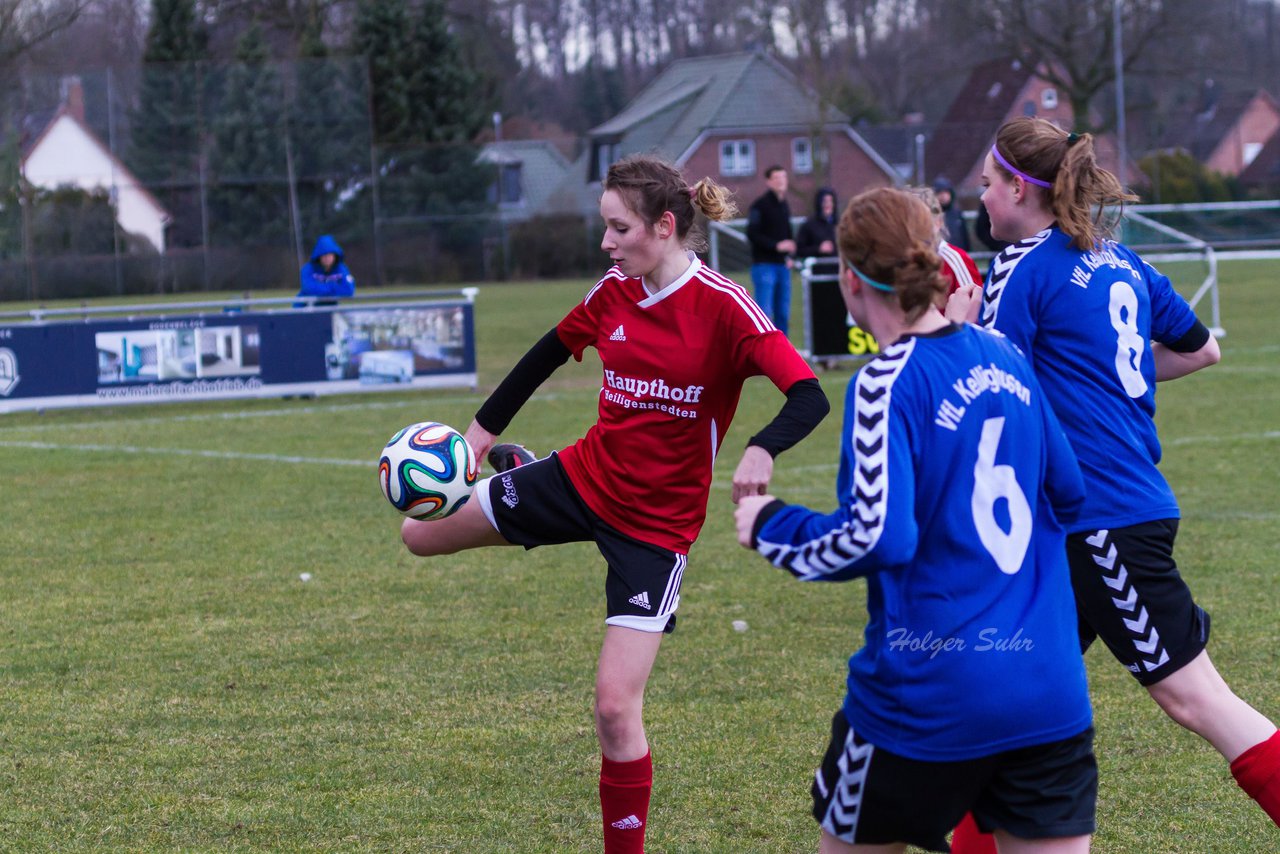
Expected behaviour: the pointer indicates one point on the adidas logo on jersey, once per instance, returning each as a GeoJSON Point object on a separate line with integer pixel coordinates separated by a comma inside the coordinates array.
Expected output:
{"type": "Point", "coordinates": [641, 599]}
{"type": "Point", "coordinates": [618, 334]}
{"type": "Point", "coordinates": [628, 823]}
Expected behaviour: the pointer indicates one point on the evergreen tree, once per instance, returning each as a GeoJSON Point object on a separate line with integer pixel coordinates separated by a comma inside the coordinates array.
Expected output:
{"type": "Point", "coordinates": [249, 202]}
{"type": "Point", "coordinates": [166, 133]}
{"type": "Point", "coordinates": [330, 138]}
{"type": "Point", "coordinates": [426, 112]}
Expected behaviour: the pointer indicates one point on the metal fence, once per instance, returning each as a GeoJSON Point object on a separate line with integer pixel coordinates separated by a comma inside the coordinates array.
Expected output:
{"type": "Point", "coordinates": [216, 176]}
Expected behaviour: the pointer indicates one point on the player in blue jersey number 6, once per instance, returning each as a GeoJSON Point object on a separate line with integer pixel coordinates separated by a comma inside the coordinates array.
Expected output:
{"type": "Point", "coordinates": [969, 692]}
{"type": "Point", "coordinates": [1101, 327]}
{"type": "Point", "coordinates": [676, 341]}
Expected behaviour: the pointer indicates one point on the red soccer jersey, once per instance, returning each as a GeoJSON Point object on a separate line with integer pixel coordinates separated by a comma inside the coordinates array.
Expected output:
{"type": "Point", "coordinates": [674, 364]}
{"type": "Point", "coordinates": [957, 267]}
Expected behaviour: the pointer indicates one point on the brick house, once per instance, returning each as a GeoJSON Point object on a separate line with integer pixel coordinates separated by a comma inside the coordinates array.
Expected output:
{"type": "Point", "coordinates": [1225, 131]}
{"type": "Point", "coordinates": [729, 117]}
{"type": "Point", "coordinates": [995, 92]}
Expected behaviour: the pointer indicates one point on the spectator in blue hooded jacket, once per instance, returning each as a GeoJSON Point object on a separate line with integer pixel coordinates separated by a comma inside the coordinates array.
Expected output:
{"type": "Point", "coordinates": [325, 275]}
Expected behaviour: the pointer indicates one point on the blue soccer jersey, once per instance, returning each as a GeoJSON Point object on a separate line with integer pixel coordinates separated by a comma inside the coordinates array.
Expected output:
{"type": "Point", "coordinates": [1086, 321]}
{"type": "Point", "coordinates": [952, 470]}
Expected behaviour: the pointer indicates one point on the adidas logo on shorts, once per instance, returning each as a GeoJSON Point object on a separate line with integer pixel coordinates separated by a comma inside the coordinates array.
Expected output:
{"type": "Point", "coordinates": [618, 334]}
{"type": "Point", "coordinates": [628, 823]}
{"type": "Point", "coordinates": [641, 599]}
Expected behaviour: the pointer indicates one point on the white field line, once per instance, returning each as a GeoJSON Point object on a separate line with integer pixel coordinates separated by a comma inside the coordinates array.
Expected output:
{"type": "Point", "coordinates": [188, 452]}
{"type": "Point", "coordinates": [262, 413]}
{"type": "Point", "coordinates": [1217, 440]}
{"type": "Point", "coordinates": [236, 416]}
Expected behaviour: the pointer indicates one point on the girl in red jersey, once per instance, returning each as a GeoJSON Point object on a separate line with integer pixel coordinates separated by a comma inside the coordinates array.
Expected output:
{"type": "Point", "coordinates": [676, 341]}
{"type": "Point", "coordinates": [957, 267]}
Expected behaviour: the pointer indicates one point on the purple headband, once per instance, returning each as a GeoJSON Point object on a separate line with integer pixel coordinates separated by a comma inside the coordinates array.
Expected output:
{"type": "Point", "coordinates": [995, 152]}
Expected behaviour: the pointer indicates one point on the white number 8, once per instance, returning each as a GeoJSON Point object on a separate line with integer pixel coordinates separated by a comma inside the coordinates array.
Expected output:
{"type": "Point", "coordinates": [1129, 341]}
{"type": "Point", "coordinates": [991, 483]}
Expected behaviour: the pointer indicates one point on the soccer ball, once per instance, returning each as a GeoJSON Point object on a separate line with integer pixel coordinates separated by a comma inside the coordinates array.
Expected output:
{"type": "Point", "coordinates": [427, 471]}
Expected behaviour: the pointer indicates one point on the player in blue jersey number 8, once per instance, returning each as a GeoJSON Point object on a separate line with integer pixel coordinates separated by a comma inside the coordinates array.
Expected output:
{"type": "Point", "coordinates": [969, 692]}
{"type": "Point", "coordinates": [1101, 327]}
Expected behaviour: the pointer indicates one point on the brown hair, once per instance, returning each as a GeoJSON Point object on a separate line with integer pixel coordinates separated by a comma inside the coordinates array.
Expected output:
{"type": "Point", "coordinates": [1081, 188]}
{"type": "Point", "coordinates": [650, 186]}
{"type": "Point", "coordinates": [889, 236]}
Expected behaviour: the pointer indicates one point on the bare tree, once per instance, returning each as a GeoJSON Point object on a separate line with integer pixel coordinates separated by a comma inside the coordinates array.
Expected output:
{"type": "Point", "coordinates": [26, 23]}
{"type": "Point", "coordinates": [1072, 44]}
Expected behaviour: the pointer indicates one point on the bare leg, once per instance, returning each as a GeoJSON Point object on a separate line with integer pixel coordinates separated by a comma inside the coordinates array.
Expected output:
{"type": "Point", "coordinates": [830, 845]}
{"type": "Point", "coordinates": [1006, 843]}
{"type": "Point", "coordinates": [626, 659]}
{"type": "Point", "coordinates": [466, 529]}
{"type": "Point", "coordinates": [1199, 699]}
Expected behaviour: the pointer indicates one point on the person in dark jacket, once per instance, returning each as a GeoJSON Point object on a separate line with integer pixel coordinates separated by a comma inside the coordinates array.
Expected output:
{"type": "Point", "coordinates": [817, 234]}
{"type": "Point", "coordinates": [769, 231]}
{"type": "Point", "coordinates": [957, 234]}
{"type": "Point", "coordinates": [325, 275]}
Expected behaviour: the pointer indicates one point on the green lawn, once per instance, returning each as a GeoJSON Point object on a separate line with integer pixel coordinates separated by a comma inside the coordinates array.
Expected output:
{"type": "Point", "coordinates": [168, 683]}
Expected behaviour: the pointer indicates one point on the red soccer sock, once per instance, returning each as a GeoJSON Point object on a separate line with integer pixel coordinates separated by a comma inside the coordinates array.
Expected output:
{"type": "Point", "coordinates": [624, 803]}
{"type": "Point", "coordinates": [1257, 771]}
{"type": "Point", "coordinates": [967, 839]}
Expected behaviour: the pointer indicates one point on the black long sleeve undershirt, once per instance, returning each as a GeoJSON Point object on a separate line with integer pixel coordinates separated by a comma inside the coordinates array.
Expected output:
{"type": "Point", "coordinates": [806, 406]}
{"type": "Point", "coordinates": [806, 403]}
{"type": "Point", "coordinates": [531, 371]}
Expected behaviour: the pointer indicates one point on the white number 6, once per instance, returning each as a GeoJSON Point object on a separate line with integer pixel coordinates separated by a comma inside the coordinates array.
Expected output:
{"type": "Point", "coordinates": [991, 483]}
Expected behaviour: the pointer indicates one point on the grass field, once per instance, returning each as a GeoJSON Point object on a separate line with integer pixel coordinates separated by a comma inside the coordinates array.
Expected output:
{"type": "Point", "coordinates": [168, 683]}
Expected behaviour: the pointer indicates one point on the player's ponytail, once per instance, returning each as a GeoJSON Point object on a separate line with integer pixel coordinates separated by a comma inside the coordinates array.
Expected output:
{"type": "Point", "coordinates": [1079, 190]}
{"type": "Point", "coordinates": [651, 186]}
{"type": "Point", "coordinates": [889, 239]}
{"type": "Point", "coordinates": [713, 201]}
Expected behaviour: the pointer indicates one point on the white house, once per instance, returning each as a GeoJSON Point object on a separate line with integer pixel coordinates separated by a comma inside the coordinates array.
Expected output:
{"type": "Point", "coordinates": [68, 153]}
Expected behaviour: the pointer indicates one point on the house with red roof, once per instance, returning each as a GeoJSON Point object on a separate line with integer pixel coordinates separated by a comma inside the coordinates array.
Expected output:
{"type": "Point", "coordinates": [67, 153]}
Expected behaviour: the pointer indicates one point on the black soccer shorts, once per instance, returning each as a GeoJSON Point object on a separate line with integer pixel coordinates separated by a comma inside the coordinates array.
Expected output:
{"type": "Point", "coordinates": [863, 794]}
{"type": "Point", "coordinates": [537, 505]}
{"type": "Point", "coordinates": [1130, 594]}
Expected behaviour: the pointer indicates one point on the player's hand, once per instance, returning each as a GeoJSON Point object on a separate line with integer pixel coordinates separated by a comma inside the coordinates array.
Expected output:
{"type": "Point", "coordinates": [745, 516]}
{"type": "Point", "coordinates": [965, 304]}
{"type": "Point", "coordinates": [753, 473]}
{"type": "Point", "coordinates": [480, 440]}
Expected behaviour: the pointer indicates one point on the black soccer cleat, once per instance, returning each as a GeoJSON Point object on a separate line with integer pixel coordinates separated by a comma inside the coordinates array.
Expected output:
{"type": "Point", "coordinates": [508, 455]}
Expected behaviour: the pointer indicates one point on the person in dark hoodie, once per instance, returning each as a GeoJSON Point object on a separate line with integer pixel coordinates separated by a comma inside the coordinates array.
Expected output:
{"type": "Point", "coordinates": [817, 234]}
{"type": "Point", "coordinates": [957, 234]}
{"type": "Point", "coordinates": [325, 275]}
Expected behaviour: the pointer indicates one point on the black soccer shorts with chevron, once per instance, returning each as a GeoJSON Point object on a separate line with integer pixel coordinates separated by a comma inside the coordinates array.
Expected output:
{"type": "Point", "coordinates": [865, 794]}
{"type": "Point", "coordinates": [1129, 593]}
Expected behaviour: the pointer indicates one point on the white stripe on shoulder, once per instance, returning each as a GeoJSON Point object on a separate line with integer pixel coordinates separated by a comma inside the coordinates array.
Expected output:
{"type": "Point", "coordinates": [741, 297]}
{"type": "Point", "coordinates": [614, 275]}
{"type": "Point", "coordinates": [1002, 267]}
{"type": "Point", "coordinates": [951, 257]}
{"type": "Point", "coordinates": [841, 547]}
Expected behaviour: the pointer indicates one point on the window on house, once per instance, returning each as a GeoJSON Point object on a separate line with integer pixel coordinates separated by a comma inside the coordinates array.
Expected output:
{"type": "Point", "coordinates": [606, 156]}
{"type": "Point", "coordinates": [509, 189]}
{"type": "Point", "coordinates": [737, 157]}
{"type": "Point", "coordinates": [1028, 108]}
{"type": "Point", "coordinates": [801, 155]}
{"type": "Point", "coordinates": [1049, 98]}
{"type": "Point", "coordinates": [1251, 151]}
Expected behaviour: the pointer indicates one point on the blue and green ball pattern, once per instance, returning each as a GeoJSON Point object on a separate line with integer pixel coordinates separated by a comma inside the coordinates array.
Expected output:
{"type": "Point", "coordinates": [427, 471]}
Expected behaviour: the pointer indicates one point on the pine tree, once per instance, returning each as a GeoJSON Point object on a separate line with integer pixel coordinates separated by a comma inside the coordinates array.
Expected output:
{"type": "Point", "coordinates": [426, 112]}
{"type": "Point", "coordinates": [166, 132]}
{"type": "Point", "coordinates": [330, 138]}
{"type": "Point", "coordinates": [249, 202]}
